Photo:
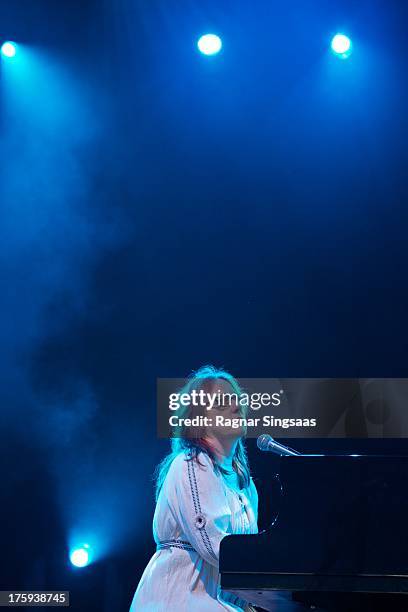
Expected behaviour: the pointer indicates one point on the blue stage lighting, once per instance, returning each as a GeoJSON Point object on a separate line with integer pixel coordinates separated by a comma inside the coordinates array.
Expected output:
{"type": "Point", "coordinates": [209, 44]}
{"type": "Point", "coordinates": [80, 557]}
{"type": "Point", "coordinates": [9, 49]}
{"type": "Point", "coordinates": [341, 45]}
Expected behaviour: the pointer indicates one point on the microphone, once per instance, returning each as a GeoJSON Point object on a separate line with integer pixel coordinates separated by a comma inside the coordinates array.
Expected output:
{"type": "Point", "coordinates": [267, 443]}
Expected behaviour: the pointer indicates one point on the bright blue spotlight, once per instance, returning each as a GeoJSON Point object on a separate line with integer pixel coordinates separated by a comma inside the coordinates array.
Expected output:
{"type": "Point", "coordinates": [341, 45]}
{"type": "Point", "coordinates": [9, 49]}
{"type": "Point", "coordinates": [80, 557]}
{"type": "Point", "coordinates": [209, 44]}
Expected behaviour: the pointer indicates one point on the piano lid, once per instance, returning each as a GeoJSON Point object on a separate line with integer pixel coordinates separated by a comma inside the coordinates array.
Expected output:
{"type": "Point", "coordinates": [338, 515]}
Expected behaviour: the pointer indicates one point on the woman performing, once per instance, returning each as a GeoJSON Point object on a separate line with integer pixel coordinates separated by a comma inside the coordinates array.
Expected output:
{"type": "Point", "coordinates": [204, 492]}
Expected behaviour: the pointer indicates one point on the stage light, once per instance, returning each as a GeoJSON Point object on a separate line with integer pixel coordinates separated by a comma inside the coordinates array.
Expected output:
{"type": "Point", "coordinates": [341, 45]}
{"type": "Point", "coordinates": [209, 44]}
{"type": "Point", "coordinates": [9, 49]}
{"type": "Point", "coordinates": [80, 557]}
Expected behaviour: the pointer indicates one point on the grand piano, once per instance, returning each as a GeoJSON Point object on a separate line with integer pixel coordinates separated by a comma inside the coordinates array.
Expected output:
{"type": "Point", "coordinates": [339, 540]}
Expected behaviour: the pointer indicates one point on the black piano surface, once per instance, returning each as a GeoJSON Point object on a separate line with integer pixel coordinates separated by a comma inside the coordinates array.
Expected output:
{"type": "Point", "coordinates": [340, 540]}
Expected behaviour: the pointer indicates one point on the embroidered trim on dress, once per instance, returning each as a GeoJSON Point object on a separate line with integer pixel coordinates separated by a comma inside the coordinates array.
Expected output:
{"type": "Point", "coordinates": [200, 520]}
{"type": "Point", "coordinates": [175, 544]}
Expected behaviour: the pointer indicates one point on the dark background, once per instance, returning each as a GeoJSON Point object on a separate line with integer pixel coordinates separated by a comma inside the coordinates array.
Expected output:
{"type": "Point", "coordinates": [161, 210]}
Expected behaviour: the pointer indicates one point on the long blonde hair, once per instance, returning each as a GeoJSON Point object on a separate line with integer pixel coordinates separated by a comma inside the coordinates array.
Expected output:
{"type": "Point", "coordinates": [198, 444]}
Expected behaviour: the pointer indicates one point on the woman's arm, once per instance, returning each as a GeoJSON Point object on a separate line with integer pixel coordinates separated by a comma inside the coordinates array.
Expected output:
{"type": "Point", "coordinates": [197, 498]}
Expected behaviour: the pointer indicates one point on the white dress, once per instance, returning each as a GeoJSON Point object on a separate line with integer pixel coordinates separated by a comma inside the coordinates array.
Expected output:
{"type": "Point", "coordinates": [195, 510]}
